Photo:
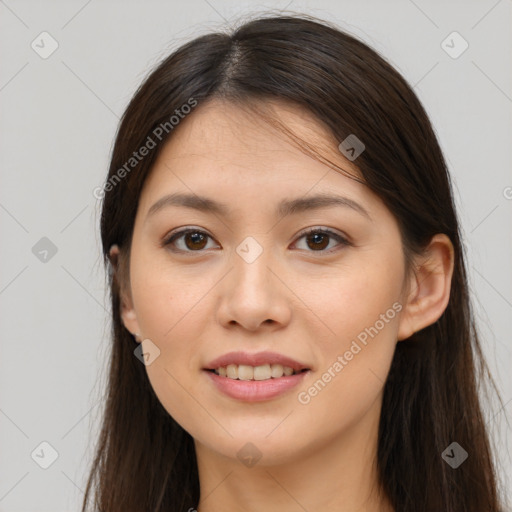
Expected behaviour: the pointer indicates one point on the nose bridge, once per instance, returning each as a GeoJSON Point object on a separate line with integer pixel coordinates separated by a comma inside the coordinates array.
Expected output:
{"type": "Point", "coordinates": [253, 295]}
{"type": "Point", "coordinates": [252, 261]}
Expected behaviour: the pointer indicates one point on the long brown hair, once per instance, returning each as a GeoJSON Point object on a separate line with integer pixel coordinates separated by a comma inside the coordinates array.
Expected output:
{"type": "Point", "coordinates": [144, 460]}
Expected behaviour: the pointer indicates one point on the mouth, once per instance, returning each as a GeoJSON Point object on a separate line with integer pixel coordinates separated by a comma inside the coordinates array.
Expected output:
{"type": "Point", "coordinates": [266, 366]}
{"type": "Point", "coordinates": [257, 373]}
{"type": "Point", "coordinates": [247, 383]}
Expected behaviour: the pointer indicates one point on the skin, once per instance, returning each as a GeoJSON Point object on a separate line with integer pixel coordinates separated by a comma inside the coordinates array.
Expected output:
{"type": "Point", "coordinates": [307, 303]}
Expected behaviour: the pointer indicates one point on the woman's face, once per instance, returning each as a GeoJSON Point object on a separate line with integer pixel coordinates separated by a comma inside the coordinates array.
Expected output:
{"type": "Point", "coordinates": [248, 279]}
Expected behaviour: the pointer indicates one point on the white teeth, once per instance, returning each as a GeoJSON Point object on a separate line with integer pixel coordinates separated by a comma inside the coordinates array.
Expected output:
{"type": "Point", "coordinates": [262, 372]}
{"type": "Point", "coordinates": [232, 371]}
{"type": "Point", "coordinates": [247, 372]}
{"type": "Point", "coordinates": [276, 370]}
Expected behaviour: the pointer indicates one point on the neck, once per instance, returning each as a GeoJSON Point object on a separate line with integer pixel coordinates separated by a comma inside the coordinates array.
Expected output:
{"type": "Point", "coordinates": [338, 475]}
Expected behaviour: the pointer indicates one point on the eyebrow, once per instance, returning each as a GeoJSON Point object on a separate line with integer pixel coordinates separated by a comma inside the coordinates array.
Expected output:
{"type": "Point", "coordinates": [284, 208]}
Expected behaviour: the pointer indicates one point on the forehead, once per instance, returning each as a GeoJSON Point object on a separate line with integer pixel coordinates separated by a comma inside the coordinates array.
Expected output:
{"type": "Point", "coordinates": [222, 144]}
{"type": "Point", "coordinates": [229, 132]}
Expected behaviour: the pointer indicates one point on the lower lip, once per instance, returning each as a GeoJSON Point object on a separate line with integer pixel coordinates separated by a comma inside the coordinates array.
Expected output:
{"type": "Point", "coordinates": [256, 390]}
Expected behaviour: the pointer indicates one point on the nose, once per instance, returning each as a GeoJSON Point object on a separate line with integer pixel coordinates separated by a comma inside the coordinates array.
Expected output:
{"type": "Point", "coordinates": [254, 294]}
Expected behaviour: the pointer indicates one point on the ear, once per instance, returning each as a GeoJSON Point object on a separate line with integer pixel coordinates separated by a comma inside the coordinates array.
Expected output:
{"type": "Point", "coordinates": [128, 314]}
{"type": "Point", "coordinates": [429, 287]}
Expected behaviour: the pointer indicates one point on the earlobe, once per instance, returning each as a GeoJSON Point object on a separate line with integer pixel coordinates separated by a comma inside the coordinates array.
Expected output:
{"type": "Point", "coordinates": [430, 291]}
{"type": "Point", "coordinates": [128, 314]}
{"type": "Point", "coordinates": [113, 255]}
{"type": "Point", "coordinates": [130, 320]}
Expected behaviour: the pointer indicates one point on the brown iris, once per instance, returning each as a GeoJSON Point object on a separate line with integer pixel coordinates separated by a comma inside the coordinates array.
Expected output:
{"type": "Point", "coordinates": [317, 237]}
{"type": "Point", "coordinates": [198, 240]}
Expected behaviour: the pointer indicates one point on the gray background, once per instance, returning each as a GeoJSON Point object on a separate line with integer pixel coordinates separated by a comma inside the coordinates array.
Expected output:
{"type": "Point", "coordinates": [59, 116]}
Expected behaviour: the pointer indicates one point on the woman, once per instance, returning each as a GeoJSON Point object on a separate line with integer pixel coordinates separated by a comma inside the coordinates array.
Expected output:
{"type": "Point", "coordinates": [291, 321]}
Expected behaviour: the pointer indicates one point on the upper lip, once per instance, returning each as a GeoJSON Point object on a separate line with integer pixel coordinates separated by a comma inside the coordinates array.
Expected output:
{"type": "Point", "coordinates": [255, 359]}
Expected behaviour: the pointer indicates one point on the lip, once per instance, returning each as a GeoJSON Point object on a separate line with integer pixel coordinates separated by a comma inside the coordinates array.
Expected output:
{"type": "Point", "coordinates": [255, 359]}
{"type": "Point", "coordinates": [255, 390]}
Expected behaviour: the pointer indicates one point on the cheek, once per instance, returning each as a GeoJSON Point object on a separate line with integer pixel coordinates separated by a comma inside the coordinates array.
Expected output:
{"type": "Point", "coordinates": [165, 297]}
{"type": "Point", "coordinates": [170, 312]}
{"type": "Point", "coordinates": [354, 299]}
{"type": "Point", "coordinates": [166, 317]}
{"type": "Point", "coordinates": [359, 312]}
{"type": "Point", "coordinates": [355, 364]}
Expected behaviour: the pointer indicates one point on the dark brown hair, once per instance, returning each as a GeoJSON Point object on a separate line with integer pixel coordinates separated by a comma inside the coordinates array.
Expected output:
{"type": "Point", "coordinates": [144, 460]}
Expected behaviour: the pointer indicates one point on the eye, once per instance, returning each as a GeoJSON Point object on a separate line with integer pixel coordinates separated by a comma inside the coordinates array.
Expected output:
{"type": "Point", "coordinates": [317, 238]}
{"type": "Point", "coordinates": [195, 240]}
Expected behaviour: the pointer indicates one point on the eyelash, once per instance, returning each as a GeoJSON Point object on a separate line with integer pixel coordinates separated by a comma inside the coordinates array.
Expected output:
{"type": "Point", "coordinates": [170, 239]}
